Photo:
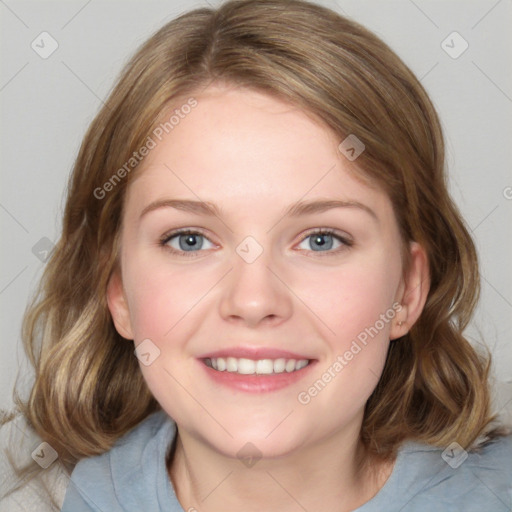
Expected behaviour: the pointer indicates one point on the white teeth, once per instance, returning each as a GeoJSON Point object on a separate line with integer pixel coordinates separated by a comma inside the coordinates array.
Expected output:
{"type": "Point", "coordinates": [246, 366]}
{"type": "Point", "coordinates": [279, 365]}
{"type": "Point", "coordinates": [261, 366]}
{"type": "Point", "coordinates": [264, 366]}
{"type": "Point", "coordinates": [231, 364]}
{"type": "Point", "coordinates": [301, 364]}
{"type": "Point", "coordinates": [290, 365]}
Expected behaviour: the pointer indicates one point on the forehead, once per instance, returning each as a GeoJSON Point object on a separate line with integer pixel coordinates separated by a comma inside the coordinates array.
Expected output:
{"type": "Point", "coordinates": [243, 146]}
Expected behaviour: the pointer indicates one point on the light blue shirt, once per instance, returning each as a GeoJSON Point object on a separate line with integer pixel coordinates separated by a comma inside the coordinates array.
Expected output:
{"type": "Point", "coordinates": [132, 477]}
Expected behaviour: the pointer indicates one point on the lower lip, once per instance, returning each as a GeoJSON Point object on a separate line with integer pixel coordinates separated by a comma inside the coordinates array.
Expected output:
{"type": "Point", "coordinates": [257, 383]}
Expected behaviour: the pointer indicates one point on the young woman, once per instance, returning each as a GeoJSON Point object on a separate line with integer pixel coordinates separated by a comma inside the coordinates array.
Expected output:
{"type": "Point", "coordinates": [260, 211]}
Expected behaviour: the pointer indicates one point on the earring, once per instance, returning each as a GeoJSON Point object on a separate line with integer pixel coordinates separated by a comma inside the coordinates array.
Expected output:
{"type": "Point", "coordinates": [400, 323]}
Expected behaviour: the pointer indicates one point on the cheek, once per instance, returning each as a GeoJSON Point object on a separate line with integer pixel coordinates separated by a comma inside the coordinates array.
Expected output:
{"type": "Point", "coordinates": [161, 296]}
{"type": "Point", "coordinates": [150, 308]}
{"type": "Point", "coordinates": [358, 306]}
{"type": "Point", "coordinates": [354, 299]}
{"type": "Point", "coordinates": [161, 308]}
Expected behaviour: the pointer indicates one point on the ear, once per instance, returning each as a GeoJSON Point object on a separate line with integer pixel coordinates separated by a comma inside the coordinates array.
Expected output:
{"type": "Point", "coordinates": [413, 291]}
{"type": "Point", "coordinates": [118, 306]}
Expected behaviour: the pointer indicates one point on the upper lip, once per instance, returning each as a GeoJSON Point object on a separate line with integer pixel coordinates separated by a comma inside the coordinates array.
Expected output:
{"type": "Point", "coordinates": [253, 353]}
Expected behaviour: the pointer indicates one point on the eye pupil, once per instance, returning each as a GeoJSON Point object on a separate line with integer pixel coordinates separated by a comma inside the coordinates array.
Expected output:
{"type": "Point", "coordinates": [190, 241]}
{"type": "Point", "coordinates": [320, 241]}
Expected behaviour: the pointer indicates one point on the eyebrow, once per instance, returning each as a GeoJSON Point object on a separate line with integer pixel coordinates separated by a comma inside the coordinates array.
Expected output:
{"type": "Point", "coordinates": [295, 210]}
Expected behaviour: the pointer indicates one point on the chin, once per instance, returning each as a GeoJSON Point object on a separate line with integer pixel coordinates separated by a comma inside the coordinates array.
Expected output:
{"type": "Point", "coordinates": [253, 450]}
{"type": "Point", "coordinates": [257, 443]}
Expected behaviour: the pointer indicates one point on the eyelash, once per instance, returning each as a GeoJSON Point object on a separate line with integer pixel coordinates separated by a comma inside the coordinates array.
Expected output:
{"type": "Point", "coordinates": [347, 243]}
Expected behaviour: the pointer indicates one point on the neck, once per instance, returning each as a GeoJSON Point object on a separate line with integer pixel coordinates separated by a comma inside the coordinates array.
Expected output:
{"type": "Point", "coordinates": [339, 475]}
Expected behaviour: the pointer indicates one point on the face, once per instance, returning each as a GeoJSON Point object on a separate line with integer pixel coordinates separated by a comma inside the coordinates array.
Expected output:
{"type": "Point", "coordinates": [229, 304]}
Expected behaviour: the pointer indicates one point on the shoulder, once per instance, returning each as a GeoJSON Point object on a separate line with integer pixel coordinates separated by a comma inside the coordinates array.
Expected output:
{"type": "Point", "coordinates": [128, 472]}
{"type": "Point", "coordinates": [25, 486]}
{"type": "Point", "coordinates": [495, 455]}
{"type": "Point", "coordinates": [495, 452]}
{"type": "Point", "coordinates": [476, 480]}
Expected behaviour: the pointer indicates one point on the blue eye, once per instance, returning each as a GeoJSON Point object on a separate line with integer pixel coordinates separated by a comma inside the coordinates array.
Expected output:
{"type": "Point", "coordinates": [325, 239]}
{"type": "Point", "coordinates": [188, 242]}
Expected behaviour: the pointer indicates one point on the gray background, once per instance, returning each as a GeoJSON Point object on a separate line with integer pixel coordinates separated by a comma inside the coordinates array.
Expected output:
{"type": "Point", "coordinates": [47, 104]}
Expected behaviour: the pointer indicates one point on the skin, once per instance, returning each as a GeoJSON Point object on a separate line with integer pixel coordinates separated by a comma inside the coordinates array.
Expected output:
{"type": "Point", "coordinates": [255, 156]}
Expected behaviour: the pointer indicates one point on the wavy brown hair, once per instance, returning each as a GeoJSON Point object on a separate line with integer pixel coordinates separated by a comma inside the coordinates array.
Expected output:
{"type": "Point", "coordinates": [88, 388]}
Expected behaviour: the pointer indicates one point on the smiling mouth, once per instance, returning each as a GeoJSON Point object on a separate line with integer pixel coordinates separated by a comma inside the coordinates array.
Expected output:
{"type": "Point", "coordinates": [244, 366]}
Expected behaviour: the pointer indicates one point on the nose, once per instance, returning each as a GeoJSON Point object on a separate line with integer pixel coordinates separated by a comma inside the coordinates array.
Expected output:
{"type": "Point", "coordinates": [255, 293]}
